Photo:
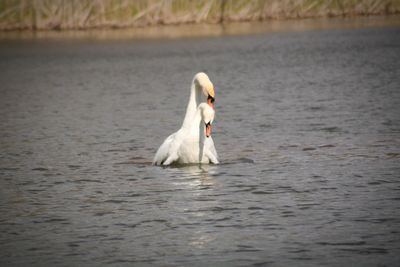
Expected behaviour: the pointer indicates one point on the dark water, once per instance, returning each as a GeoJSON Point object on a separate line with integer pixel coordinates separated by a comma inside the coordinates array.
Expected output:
{"type": "Point", "coordinates": [307, 128]}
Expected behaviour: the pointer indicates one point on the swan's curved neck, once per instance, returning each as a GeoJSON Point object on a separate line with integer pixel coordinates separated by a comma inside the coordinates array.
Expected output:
{"type": "Point", "coordinates": [194, 101]}
{"type": "Point", "coordinates": [197, 123]}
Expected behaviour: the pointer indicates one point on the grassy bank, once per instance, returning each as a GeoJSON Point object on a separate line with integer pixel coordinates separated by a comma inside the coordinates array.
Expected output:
{"type": "Point", "coordinates": [85, 14]}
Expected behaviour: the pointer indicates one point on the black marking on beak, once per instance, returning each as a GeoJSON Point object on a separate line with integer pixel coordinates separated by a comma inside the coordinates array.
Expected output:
{"type": "Point", "coordinates": [212, 99]}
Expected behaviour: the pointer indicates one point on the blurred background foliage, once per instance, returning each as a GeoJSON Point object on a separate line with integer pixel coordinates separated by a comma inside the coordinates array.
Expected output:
{"type": "Point", "coordinates": [82, 14]}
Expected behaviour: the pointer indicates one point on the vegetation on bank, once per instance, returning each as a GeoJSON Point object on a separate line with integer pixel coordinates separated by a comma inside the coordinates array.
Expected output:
{"type": "Point", "coordinates": [83, 14]}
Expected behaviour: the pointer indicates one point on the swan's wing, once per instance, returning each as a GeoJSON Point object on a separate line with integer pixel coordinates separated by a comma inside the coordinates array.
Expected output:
{"type": "Point", "coordinates": [163, 152]}
{"type": "Point", "coordinates": [210, 151]}
{"type": "Point", "coordinates": [174, 147]}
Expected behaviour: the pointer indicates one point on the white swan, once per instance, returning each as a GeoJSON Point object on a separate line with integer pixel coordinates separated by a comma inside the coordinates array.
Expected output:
{"type": "Point", "coordinates": [192, 143]}
{"type": "Point", "coordinates": [201, 84]}
{"type": "Point", "coordinates": [188, 145]}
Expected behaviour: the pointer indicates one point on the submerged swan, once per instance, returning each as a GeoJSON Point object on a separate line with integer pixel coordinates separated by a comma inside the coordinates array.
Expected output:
{"type": "Point", "coordinates": [192, 143]}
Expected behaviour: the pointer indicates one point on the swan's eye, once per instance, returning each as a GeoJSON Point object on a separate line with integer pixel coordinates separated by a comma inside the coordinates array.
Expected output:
{"type": "Point", "coordinates": [211, 99]}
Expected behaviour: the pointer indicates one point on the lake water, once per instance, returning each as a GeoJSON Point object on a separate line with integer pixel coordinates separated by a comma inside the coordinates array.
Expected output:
{"type": "Point", "coordinates": [307, 129]}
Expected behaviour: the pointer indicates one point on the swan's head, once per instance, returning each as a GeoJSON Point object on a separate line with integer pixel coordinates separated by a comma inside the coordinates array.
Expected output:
{"type": "Point", "coordinates": [207, 114]}
{"type": "Point", "coordinates": [206, 85]}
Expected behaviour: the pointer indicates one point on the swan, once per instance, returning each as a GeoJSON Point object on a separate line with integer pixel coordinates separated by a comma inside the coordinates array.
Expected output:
{"type": "Point", "coordinates": [192, 143]}
{"type": "Point", "coordinates": [201, 84]}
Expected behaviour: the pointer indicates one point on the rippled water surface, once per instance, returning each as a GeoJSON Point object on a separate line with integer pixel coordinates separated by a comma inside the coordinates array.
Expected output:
{"type": "Point", "coordinates": [307, 129]}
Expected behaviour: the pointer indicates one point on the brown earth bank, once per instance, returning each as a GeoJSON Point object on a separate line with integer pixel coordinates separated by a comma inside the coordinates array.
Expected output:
{"type": "Point", "coordinates": [157, 32]}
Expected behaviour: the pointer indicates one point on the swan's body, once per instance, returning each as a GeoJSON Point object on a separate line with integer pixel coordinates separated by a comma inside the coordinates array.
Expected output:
{"type": "Point", "coordinates": [189, 144]}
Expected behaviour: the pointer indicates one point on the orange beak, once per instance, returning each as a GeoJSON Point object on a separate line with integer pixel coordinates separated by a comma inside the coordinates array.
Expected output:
{"type": "Point", "coordinates": [210, 101]}
{"type": "Point", "coordinates": [208, 129]}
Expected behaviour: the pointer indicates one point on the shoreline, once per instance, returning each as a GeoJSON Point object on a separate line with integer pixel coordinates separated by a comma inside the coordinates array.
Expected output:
{"type": "Point", "coordinates": [38, 15]}
{"type": "Point", "coordinates": [206, 29]}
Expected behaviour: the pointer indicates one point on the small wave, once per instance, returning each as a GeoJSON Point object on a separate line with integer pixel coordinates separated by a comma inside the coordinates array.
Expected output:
{"type": "Point", "coordinates": [9, 169]}
{"type": "Point", "coordinates": [116, 150]}
{"type": "Point", "coordinates": [333, 129]}
{"type": "Point", "coordinates": [355, 243]}
{"type": "Point", "coordinates": [326, 146]}
{"type": "Point", "coordinates": [87, 181]}
{"type": "Point", "coordinates": [72, 166]}
{"type": "Point", "coordinates": [393, 155]}
{"type": "Point", "coordinates": [115, 201]}
{"type": "Point", "coordinates": [365, 251]}
{"type": "Point", "coordinates": [139, 162]}
{"type": "Point", "coordinates": [236, 161]}
{"type": "Point", "coordinates": [264, 192]}
{"type": "Point", "coordinates": [102, 213]}
{"type": "Point", "coordinates": [40, 169]}
{"type": "Point", "coordinates": [255, 208]}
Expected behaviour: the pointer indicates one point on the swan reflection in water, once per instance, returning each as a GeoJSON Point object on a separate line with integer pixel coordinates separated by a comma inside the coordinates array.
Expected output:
{"type": "Point", "coordinates": [198, 184]}
{"type": "Point", "coordinates": [192, 176]}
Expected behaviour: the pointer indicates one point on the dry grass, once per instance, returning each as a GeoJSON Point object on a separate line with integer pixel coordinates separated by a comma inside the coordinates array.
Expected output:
{"type": "Point", "coordinates": [82, 14]}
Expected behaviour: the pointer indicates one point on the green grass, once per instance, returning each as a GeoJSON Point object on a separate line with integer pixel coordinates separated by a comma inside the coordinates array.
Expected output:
{"type": "Point", "coordinates": [83, 14]}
